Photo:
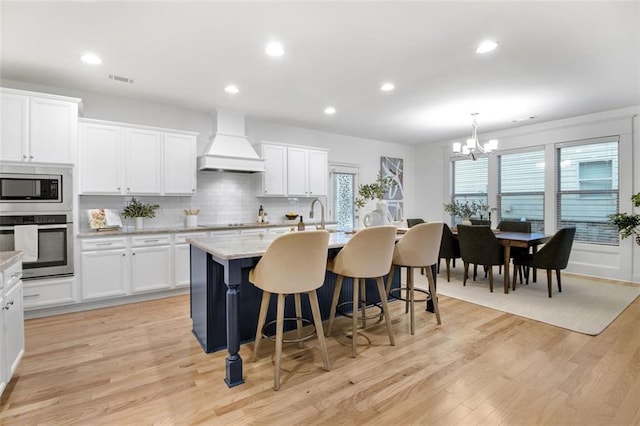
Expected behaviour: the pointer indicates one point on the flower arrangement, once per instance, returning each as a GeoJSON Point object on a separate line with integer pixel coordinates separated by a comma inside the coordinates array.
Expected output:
{"type": "Point", "coordinates": [374, 191]}
{"type": "Point", "coordinates": [466, 209]}
{"type": "Point", "coordinates": [136, 208]}
{"type": "Point", "coordinates": [628, 224]}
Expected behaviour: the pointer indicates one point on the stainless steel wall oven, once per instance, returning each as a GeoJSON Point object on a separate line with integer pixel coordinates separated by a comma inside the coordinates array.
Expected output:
{"type": "Point", "coordinates": [41, 196]}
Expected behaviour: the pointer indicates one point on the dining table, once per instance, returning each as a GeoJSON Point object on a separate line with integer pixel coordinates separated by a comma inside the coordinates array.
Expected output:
{"type": "Point", "coordinates": [510, 239]}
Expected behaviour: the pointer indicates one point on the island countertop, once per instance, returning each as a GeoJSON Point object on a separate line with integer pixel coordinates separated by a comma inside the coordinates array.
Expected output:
{"type": "Point", "coordinates": [7, 258]}
{"type": "Point", "coordinates": [229, 247]}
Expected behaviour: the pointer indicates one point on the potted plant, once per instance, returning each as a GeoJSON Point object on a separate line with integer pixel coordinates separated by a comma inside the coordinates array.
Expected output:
{"type": "Point", "coordinates": [465, 210]}
{"type": "Point", "coordinates": [375, 191]}
{"type": "Point", "coordinates": [628, 224]}
{"type": "Point", "coordinates": [139, 210]}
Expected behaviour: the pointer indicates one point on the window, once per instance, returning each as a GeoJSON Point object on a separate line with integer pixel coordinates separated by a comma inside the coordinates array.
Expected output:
{"type": "Point", "coordinates": [521, 188]}
{"type": "Point", "coordinates": [588, 189]}
{"type": "Point", "coordinates": [470, 181]}
{"type": "Point", "coordinates": [344, 183]}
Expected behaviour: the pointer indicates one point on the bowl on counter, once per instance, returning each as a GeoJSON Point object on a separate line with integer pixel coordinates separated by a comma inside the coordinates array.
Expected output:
{"type": "Point", "coordinates": [291, 216]}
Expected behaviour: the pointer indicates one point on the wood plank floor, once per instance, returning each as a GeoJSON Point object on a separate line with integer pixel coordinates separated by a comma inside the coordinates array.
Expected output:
{"type": "Point", "coordinates": [139, 364]}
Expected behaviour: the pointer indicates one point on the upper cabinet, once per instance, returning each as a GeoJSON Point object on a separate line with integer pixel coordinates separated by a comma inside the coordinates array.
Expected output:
{"type": "Point", "coordinates": [38, 128]}
{"type": "Point", "coordinates": [293, 171]}
{"type": "Point", "coordinates": [121, 159]}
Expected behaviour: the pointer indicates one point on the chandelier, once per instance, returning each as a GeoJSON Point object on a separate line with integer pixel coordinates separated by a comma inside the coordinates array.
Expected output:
{"type": "Point", "coordinates": [473, 149]}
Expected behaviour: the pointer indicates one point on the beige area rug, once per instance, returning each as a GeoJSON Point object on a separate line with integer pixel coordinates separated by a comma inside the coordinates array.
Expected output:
{"type": "Point", "coordinates": [586, 305]}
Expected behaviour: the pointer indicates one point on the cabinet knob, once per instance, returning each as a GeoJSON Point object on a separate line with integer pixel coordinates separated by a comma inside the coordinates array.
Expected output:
{"type": "Point", "coordinates": [128, 189]}
{"type": "Point", "coordinates": [6, 307]}
{"type": "Point", "coordinates": [119, 188]}
{"type": "Point", "coordinates": [24, 157]}
{"type": "Point", "coordinates": [31, 157]}
{"type": "Point", "coordinates": [123, 254]}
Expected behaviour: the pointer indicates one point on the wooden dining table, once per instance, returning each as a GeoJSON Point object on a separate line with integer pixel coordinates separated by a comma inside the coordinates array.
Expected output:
{"type": "Point", "coordinates": [518, 239]}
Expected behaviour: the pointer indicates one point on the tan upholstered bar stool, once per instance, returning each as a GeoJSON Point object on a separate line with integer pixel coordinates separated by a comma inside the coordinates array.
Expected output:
{"type": "Point", "coordinates": [366, 255]}
{"type": "Point", "coordinates": [418, 248]}
{"type": "Point", "coordinates": [294, 263]}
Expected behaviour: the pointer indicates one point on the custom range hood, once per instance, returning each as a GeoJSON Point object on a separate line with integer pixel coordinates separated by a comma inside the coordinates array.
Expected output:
{"type": "Point", "coordinates": [229, 150]}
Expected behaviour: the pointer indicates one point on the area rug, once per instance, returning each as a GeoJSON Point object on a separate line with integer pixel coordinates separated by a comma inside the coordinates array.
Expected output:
{"type": "Point", "coordinates": [586, 305]}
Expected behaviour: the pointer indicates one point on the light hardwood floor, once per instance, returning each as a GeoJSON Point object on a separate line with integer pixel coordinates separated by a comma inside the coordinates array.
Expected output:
{"type": "Point", "coordinates": [139, 364]}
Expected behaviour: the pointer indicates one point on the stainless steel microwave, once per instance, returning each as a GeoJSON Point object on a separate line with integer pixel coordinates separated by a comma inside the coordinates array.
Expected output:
{"type": "Point", "coordinates": [31, 188]}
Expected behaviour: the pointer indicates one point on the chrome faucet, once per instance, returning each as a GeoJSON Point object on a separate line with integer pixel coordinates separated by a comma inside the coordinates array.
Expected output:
{"type": "Point", "coordinates": [313, 203]}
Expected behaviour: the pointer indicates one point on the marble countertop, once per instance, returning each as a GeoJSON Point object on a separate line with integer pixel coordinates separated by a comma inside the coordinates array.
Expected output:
{"type": "Point", "coordinates": [228, 247]}
{"type": "Point", "coordinates": [8, 258]}
{"type": "Point", "coordinates": [180, 229]}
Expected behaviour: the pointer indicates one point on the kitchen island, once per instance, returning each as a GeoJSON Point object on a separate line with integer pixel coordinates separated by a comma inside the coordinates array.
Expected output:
{"type": "Point", "coordinates": [225, 306]}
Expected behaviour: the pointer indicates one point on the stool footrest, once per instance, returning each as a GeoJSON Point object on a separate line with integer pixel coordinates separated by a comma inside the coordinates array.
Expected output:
{"type": "Point", "coordinates": [350, 315]}
{"type": "Point", "coordinates": [414, 289]}
{"type": "Point", "coordinates": [305, 322]}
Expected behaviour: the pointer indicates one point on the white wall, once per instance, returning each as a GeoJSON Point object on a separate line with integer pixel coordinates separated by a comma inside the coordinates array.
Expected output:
{"type": "Point", "coordinates": [619, 263]}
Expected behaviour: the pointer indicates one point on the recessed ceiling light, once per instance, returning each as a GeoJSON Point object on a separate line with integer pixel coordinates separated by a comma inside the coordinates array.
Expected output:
{"type": "Point", "coordinates": [517, 120]}
{"type": "Point", "coordinates": [486, 46]}
{"type": "Point", "coordinates": [91, 58]}
{"type": "Point", "coordinates": [231, 88]}
{"type": "Point", "coordinates": [387, 87]}
{"type": "Point", "coordinates": [329, 110]}
{"type": "Point", "coordinates": [274, 49]}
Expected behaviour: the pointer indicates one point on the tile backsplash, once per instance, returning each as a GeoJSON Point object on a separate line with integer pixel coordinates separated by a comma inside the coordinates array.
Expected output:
{"type": "Point", "coordinates": [221, 197]}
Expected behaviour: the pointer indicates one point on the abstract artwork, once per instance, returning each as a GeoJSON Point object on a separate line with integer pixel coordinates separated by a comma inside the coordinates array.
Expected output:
{"type": "Point", "coordinates": [393, 167]}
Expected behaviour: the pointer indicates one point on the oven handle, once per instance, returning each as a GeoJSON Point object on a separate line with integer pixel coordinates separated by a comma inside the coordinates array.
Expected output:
{"type": "Point", "coordinates": [58, 226]}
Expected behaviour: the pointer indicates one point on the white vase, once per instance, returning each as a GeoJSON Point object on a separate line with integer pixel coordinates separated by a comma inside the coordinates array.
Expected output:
{"type": "Point", "coordinates": [139, 223]}
{"type": "Point", "coordinates": [191, 221]}
{"type": "Point", "coordinates": [383, 207]}
{"type": "Point", "coordinates": [466, 221]}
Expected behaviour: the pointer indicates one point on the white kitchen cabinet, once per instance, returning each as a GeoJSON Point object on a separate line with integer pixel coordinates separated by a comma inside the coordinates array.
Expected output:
{"type": "Point", "coordinates": [104, 268]}
{"type": "Point", "coordinates": [293, 171]}
{"type": "Point", "coordinates": [143, 161]}
{"type": "Point", "coordinates": [48, 292]}
{"type": "Point", "coordinates": [38, 127]}
{"type": "Point", "coordinates": [151, 262]}
{"type": "Point", "coordinates": [179, 164]}
{"type": "Point", "coordinates": [182, 258]}
{"type": "Point", "coordinates": [128, 160]}
{"type": "Point", "coordinates": [101, 169]}
{"type": "Point", "coordinates": [274, 178]}
{"type": "Point", "coordinates": [11, 322]}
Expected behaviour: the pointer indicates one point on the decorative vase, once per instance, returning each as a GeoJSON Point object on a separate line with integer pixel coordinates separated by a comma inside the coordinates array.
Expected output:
{"type": "Point", "coordinates": [383, 207]}
{"type": "Point", "coordinates": [139, 223]}
{"type": "Point", "coordinates": [466, 221]}
{"type": "Point", "coordinates": [192, 221]}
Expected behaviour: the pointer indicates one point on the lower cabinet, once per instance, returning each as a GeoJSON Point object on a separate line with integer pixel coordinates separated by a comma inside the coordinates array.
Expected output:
{"type": "Point", "coordinates": [11, 323]}
{"type": "Point", "coordinates": [182, 258]}
{"type": "Point", "coordinates": [150, 268]}
{"type": "Point", "coordinates": [104, 273]}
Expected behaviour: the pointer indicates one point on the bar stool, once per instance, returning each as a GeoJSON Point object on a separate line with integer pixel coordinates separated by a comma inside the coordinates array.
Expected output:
{"type": "Point", "coordinates": [418, 248]}
{"type": "Point", "coordinates": [294, 263]}
{"type": "Point", "coordinates": [366, 255]}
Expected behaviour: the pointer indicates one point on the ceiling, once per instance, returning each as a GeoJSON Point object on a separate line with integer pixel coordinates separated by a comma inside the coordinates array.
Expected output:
{"type": "Point", "coordinates": [554, 59]}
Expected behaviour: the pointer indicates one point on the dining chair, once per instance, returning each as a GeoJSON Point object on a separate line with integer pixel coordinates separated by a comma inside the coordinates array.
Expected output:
{"type": "Point", "coordinates": [282, 270]}
{"type": "Point", "coordinates": [367, 254]}
{"type": "Point", "coordinates": [414, 222]}
{"type": "Point", "coordinates": [449, 249]}
{"type": "Point", "coordinates": [554, 255]}
{"type": "Point", "coordinates": [479, 245]}
{"type": "Point", "coordinates": [482, 222]}
{"type": "Point", "coordinates": [418, 248]}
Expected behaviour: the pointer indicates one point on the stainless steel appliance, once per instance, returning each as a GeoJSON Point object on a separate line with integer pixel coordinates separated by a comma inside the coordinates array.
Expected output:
{"type": "Point", "coordinates": [42, 196]}
{"type": "Point", "coordinates": [55, 243]}
{"type": "Point", "coordinates": [28, 189]}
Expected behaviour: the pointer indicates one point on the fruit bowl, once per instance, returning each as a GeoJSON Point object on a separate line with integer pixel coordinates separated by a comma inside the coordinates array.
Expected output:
{"type": "Point", "coordinates": [291, 216]}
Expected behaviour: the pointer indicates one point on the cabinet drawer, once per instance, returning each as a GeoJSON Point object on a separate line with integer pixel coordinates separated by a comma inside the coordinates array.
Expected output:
{"type": "Point", "coordinates": [151, 240]}
{"type": "Point", "coordinates": [47, 294]}
{"type": "Point", "coordinates": [103, 243]}
{"type": "Point", "coordinates": [182, 237]}
{"type": "Point", "coordinates": [12, 275]}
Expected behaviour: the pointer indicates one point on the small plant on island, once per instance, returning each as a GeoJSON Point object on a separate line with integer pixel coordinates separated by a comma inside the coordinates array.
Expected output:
{"type": "Point", "coordinates": [374, 191]}
{"type": "Point", "coordinates": [628, 224]}
{"type": "Point", "coordinates": [136, 208]}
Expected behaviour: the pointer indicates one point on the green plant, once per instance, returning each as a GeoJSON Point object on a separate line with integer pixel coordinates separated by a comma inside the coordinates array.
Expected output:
{"type": "Point", "coordinates": [374, 191]}
{"type": "Point", "coordinates": [136, 208]}
{"type": "Point", "coordinates": [466, 209]}
{"type": "Point", "coordinates": [628, 224]}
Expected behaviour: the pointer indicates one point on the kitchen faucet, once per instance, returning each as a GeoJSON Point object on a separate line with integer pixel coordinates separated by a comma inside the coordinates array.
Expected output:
{"type": "Point", "coordinates": [322, 224]}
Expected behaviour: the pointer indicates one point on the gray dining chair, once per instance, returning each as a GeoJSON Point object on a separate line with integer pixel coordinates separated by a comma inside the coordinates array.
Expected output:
{"type": "Point", "coordinates": [479, 245]}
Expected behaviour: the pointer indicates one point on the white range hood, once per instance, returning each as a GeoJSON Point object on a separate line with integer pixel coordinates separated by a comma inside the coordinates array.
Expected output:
{"type": "Point", "coordinates": [229, 150]}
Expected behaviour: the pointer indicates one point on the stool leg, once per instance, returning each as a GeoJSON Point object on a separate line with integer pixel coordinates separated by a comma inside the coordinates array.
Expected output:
{"type": "Point", "coordinates": [385, 310]}
{"type": "Point", "coordinates": [298, 303]}
{"type": "Point", "coordinates": [262, 317]}
{"type": "Point", "coordinates": [317, 321]}
{"type": "Point", "coordinates": [392, 273]}
{"type": "Point", "coordinates": [406, 295]}
{"type": "Point", "coordinates": [354, 316]}
{"type": "Point", "coordinates": [410, 296]}
{"type": "Point", "coordinates": [434, 298]}
{"type": "Point", "coordinates": [334, 303]}
{"type": "Point", "coordinates": [279, 333]}
{"type": "Point", "coordinates": [363, 302]}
